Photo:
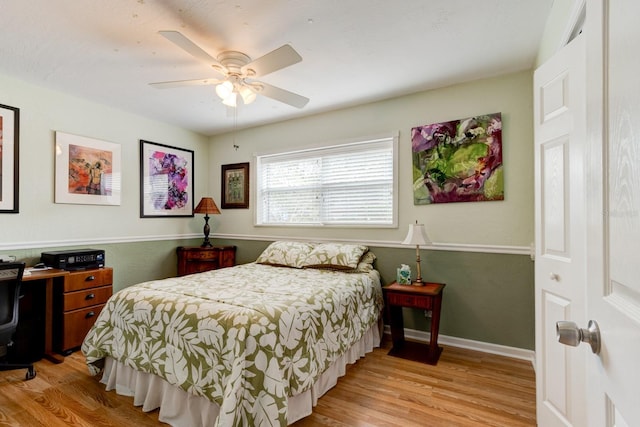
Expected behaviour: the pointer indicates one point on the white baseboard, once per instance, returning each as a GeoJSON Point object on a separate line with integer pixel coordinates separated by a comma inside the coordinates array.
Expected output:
{"type": "Point", "coordinates": [502, 350]}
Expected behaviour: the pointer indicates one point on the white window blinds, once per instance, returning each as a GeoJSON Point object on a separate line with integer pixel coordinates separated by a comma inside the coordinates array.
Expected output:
{"type": "Point", "coordinates": [348, 184]}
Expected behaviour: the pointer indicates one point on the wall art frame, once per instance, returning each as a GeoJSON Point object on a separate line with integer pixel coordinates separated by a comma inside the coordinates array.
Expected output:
{"type": "Point", "coordinates": [458, 161]}
{"type": "Point", "coordinates": [235, 186]}
{"type": "Point", "coordinates": [9, 159]}
{"type": "Point", "coordinates": [166, 181]}
{"type": "Point", "coordinates": [88, 171]}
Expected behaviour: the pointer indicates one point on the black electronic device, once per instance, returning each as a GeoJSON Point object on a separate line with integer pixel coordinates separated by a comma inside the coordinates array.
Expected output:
{"type": "Point", "coordinates": [75, 259]}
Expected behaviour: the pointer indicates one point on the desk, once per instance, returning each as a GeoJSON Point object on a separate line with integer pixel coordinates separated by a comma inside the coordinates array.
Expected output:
{"type": "Point", "coordinates": [47, 277]}
{"type": "Point", "coordinates": [425, 297]}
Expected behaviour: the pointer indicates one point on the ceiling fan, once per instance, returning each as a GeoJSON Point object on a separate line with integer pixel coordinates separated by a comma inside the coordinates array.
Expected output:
{"type": "Point", "coordinates": [237, 72]}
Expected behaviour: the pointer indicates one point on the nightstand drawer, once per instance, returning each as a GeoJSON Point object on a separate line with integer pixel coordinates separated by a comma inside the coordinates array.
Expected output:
{"type": "Point", "coordinates": [80, 280]}
{"type": "Point", "coordinates": [86, 298]}
{"type": "Point", "coordinates": [197, 259]}
{"type": "Point", "coordinates": [202, 255]}
{"type": "Point", "coordinates": [405, 300]}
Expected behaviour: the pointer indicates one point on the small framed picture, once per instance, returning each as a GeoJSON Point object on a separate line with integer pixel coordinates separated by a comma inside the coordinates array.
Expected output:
{"type": "Point", "coordinates": [88, 170]}
{"type": "Point", "coordinates": [166, 181]}
{"type": "Point", "coordinates": [9, 139]}
{"type": "Point", "coordinates": [235, 186]}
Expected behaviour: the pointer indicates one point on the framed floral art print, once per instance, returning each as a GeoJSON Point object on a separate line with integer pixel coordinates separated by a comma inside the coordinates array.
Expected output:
{"type": "Point", "coordinates": [235, 186]}
{"type": "Point", "coordinates": [166, 180]}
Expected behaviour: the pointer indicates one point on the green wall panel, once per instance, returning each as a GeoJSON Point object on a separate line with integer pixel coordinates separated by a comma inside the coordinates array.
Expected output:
{"type": "Point", "coordinates": [488, 297]}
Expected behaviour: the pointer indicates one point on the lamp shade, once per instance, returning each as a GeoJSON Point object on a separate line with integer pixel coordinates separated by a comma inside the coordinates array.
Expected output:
{"type": "Point", "coordinates": [248, 96]}
{"type": "Point", "coordinates": [206, 206]}
{"type": "Point", "coordinates": [224, 89]}
{"type": "Point", "coordinates": [417, 235]}
{"type": "Point", "coordinates": [231, 100]}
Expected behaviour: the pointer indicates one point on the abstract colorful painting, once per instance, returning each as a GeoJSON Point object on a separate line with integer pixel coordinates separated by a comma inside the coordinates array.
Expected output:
{"type": "Point", "coordinates": [88, 170]}
{"type": "Point", "coordinates": [166, 180]}
{"type": "Point", "coordinates": [458, 161]}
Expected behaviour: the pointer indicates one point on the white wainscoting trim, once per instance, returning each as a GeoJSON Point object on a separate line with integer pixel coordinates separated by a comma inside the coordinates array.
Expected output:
{"type": "Point", "coordinates": [455, 247]}
{"type": "Point", "coordinates": [96, 241]}
{"type": "Point", "coordinates": [501, 350]}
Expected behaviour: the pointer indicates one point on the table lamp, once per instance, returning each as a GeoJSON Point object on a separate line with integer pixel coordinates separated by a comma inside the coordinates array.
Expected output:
{"type": "Point", "coordinates": [417, 236]}
{"type": "Point", "coordinates": [206, 206]}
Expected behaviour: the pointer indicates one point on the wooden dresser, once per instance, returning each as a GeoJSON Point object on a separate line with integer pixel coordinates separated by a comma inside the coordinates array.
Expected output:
{"type": "Point", "coordinates": [78, 300]}
{"type": "Point", "coordinates": [196, 259]}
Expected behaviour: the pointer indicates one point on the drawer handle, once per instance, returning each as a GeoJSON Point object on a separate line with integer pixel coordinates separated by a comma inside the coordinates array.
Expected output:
{"type": "Point", "coordinates": [89, 315]}
{"type": "Point", "coordinates": [90, 278]}
{"type": "Point", "coordinates": [90, 296]}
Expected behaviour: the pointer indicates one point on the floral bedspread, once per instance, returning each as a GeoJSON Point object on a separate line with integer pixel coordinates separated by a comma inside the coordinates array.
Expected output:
{"type": "Point", "coordinates": [245, 337]}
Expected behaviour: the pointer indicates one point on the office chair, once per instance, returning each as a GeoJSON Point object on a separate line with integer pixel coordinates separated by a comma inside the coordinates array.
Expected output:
{"type": "Point", "coordinates": [10, 279]}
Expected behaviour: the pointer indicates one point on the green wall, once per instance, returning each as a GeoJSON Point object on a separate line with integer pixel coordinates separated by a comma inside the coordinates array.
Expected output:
{"type": "Point", "coordinates": [503, 223]}
{"type": "Point", "coordinates": [488, 298]}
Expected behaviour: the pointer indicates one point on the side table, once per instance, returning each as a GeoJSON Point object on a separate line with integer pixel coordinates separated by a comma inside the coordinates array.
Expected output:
{"type": "Point", "coordinates": [196, 259]}
{"type": "Point", "coordinates": [425, 297]}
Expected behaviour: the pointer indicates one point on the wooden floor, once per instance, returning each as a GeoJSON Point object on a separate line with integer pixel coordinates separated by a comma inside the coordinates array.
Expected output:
{"type": "Point", "coordinates": [466, 388]}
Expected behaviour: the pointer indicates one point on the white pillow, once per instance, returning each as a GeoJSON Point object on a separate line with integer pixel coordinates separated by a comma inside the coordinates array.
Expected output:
{"type": "Point", "coordinates": [339, 256]}
{"type": "Point", "coordinates": [286, 254]}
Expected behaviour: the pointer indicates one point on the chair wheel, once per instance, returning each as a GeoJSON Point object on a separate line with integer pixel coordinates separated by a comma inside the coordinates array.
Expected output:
{"type": "Point", "coordinates": [31, 374]}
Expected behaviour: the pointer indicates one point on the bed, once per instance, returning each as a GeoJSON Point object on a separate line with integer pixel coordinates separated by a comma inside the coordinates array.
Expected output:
{"type": "Point", "coordinates": [255, 344]}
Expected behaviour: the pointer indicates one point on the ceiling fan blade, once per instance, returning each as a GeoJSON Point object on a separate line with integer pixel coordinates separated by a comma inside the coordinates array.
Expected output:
{"type": "Point", "coordinates": [187, 45]}
{"type": "Point", "coordinates": [282, 95]}
{"type": "Point", "coordinates": [181, 83]}
{"type": "Point", "coordinates": [282, 57]}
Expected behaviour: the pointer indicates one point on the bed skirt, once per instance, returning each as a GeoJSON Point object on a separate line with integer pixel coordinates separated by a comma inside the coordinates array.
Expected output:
{"type": "Point", "coordinates": [181, 409]}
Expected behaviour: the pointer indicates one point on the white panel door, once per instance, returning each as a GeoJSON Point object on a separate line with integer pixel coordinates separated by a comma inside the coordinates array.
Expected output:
{"type": "Point", "coordinates": [613, 210]}
{"type": "Point", "coordinates": [559, 126]}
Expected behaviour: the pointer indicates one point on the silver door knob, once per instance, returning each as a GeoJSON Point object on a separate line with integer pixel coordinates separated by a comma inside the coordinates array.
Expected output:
{"type": "Point", "coordinates": [568, 333]}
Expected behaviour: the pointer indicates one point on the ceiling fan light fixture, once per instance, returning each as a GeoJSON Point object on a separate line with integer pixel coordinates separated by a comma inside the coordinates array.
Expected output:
{"type": "Point", "coordinates": [248, 96]}
{"type": "Point", "coordinates": [235, 67]}
{"type": "Point", "coordinates": [224, 89]}
{"type": "Point", "coordinates": [230, 100]}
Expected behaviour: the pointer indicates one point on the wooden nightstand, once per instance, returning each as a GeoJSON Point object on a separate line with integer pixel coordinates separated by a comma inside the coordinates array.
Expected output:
{"type": "Point", "coordinates": [426, 297]}
{"type": "Point", "coordinates": [196, 259]}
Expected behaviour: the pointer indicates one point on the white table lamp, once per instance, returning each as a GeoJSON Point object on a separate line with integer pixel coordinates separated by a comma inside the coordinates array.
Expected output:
{"type": "Point", "coordinates": [417, 236]}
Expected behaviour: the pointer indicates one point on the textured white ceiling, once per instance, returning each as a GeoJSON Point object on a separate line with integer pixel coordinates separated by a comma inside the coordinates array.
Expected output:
{"type": "Point", "coordinates": [354, 51]}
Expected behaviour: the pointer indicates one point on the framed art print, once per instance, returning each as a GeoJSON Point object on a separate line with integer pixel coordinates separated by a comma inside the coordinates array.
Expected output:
{"type": "Point", "coordinates": [166, 180]}
{"type": "Point", "coordinates": [9, 162]}
{"type": "Point", "coordinates": [88, 171]}
{"type": "Point", "coordinates": [235, 186]}
{"type": "Point", "coordinates": [9, 177]}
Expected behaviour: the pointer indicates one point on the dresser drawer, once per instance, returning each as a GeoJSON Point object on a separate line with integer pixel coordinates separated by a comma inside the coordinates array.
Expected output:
{"type": "Point", "coordinates": [406, 300]}
{"type": "Point", "coordinates": [86, 298]}
{"type": "Point", "coordinates": [80, 280]}
{"type": "Point", "coordinates": [76, 325]}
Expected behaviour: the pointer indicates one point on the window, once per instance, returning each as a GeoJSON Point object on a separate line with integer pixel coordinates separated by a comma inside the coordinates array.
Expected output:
{"type": "Point", "coordinates": [350, 184]}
